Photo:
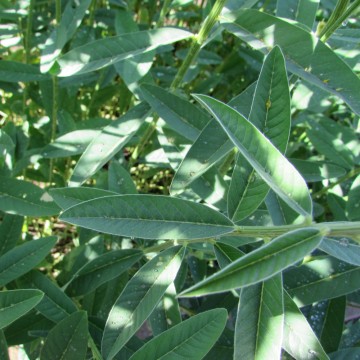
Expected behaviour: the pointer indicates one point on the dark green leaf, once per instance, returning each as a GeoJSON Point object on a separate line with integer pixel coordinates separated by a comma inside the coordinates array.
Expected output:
{"type": "Point", "coordinates": [10, 232]}
{"type": "Point", "coordinates": [11, 71]}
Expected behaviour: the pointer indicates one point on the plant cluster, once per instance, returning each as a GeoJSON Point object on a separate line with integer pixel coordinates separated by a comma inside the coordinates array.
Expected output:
{"type": "Point", "coordinates": [180, 179]}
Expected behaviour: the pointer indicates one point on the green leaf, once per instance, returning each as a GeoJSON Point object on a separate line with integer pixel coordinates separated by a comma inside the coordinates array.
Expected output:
{"type": "Point", "coordinates": [104, 52]}
{"type": "Point", "coordinates": [342, 249]}
{"type": "Point", "coordinates": [11, 71]}
{"type": "Point", "coordinates": [178, 113]}
{"type": "Point", "coordinates": [120, 180]}
{"type": "Point", "coordinates": [70, 20]}
{"type": "Point", "coordinates": [303, 11]}
{"type": "Point", "coordinates": [110, 141]}
{"type": "Point", "coordinates": [23, 258]}
{"type": "Point", "coordinates": [304, 52]}
{"type": "Point", "coordinates": [102, 269]}
{"type": "Point", "coordinates": [16, 303]}
{"type": "Point", "coordinates": [68, 197]}
{"type": "Point", "coordinates": [148, 217]}
{"type": "Point", "coordinates": [139, 299]}
{"type": "Point", "coordinates": [313, 171]}
{"type": "Point", "coordinates": [259, 321]}
{"type": "Point", "coordinates": [321, 280]}
{"type": "Point", "coordinates": [260, 264]}
{"type": "Point", "coordinates": [270, 113]}
{"type": "Point", "coordinates": [353, 203]}
{"type": "Point", "coordinates": [70, 144]}
{"type": "Point", "coordinates": [192, 339]}
{"type": "Point", "coordinates": [346, 354]}
{"type": "Point", "coordinates": [266, 159]}
{"type": "Point", "coordinates": [10, 232]}
{"type": "Point", "coordinates": [24, 198]}
{"type": "Point", "coordinates": [4, 351]}
{"type": "Point", "coordinates": [299, 339]}
{"type": "Point", "coordinates": [55, 305]}
{"type": "Point", "coordinates": [68, 339]}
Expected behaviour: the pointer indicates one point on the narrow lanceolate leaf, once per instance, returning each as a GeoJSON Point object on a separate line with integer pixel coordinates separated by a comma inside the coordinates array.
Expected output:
{"type": "Point", "coordinates": [100, 53]}
{"type": "Point", "coordinates": [148, 217]}
{"type": "Point", "coordinates": [70, 144]}
{"type": "Point", "coordinates": [23, 258]}
{"type": "Point", "coordinates": [110, 141]}
{"type": "Point", "coordinates": [11, 71]}
{"type": "Point", "coordinates": [265, 158]}
{"type": "Point", "coordinates": [299, 338]}
{"type": "Point", "coordinates": [192, 339]}
{"type": "Point", "coordinates": [70, 20]}
{"type": "Point", "coordinates": [177, 112]}
{"type": "Point", "coordinates": [260, 264]}
{"type": "Point", "coordinates": [270, 113]}
{"type": "Point", "coordinates": [353, 204]}
{"type": "Point", "coordinates": [299, 10]}
{"type": "Point", "coordinates": [139, 299]}
{"type": "Point", "coordinates": [55, 305]}
{"type": "Point", "coordinates": [342, 249]}
{"type": "Point", "coordinates": [320, 280]}
{"type": "Point", "coordinates": [303, 51]}
{"type": "Point", "coordinates": [68, 339]}
{"type": "Point", "coordinates": [101, 270]}
{"type": "Point", "coordinates": [10, 232]}
{"type": "Point", "coordinates": [259, 321]}
{"type": "Point", "coordinates": [67, 197]}
{"type": "Point", "coordinates": [24, 198]}
{"type": "Point", "coordinates": [16, 303]}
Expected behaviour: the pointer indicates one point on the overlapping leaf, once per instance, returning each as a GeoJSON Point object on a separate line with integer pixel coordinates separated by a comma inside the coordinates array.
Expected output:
{"type": "Point", "coordinates": [148, 217]}
{"type": "Point", "coordinates": [139, 299]}
{"type": "Point", "coordinates": [260, 264]}
{"type": "Point", "coordinates": [268, 162]}
{"type": "Point", "coordinates": [100, 53]}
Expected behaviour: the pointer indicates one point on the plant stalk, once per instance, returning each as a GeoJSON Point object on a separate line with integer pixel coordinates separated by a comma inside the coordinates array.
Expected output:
{"type": "Point", "coordinates": [164, 10]}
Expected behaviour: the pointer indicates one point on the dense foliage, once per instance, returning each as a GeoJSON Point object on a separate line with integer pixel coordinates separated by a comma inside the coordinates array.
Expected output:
{"type": "Point", "coordinates": [180, 179]}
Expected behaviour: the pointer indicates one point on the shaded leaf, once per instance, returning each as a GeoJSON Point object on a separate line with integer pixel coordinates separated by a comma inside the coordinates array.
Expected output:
{"type": "Point", "coordinates": [139, 298]}
{"type": "Point", "coordinates": [10, 232]}
{"type": "Point", "coordinates": [353, 204]}
{"type": "Point", "coordinates": [11, 71]}
{"type": "Point", "coordinates": [342, 249]}
{"type": "Point", "coordinates": [16, 303]}
{"type": "Point", "coordinates": [148, 217]}
{"type": "Point", "coordinates": [23, 258]}
{"type": "Point", "coordinates": [191, 339]}
{"type": "Point", "coordinates": [120, 180]}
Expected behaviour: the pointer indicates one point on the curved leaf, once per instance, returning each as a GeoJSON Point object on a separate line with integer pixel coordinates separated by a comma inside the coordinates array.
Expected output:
{"type": "Point", "coordinates": [303, 51]}
{"type": "Point", "coordinates": [110, 141]}
{"type": "Point", "coordinates": [148, 217]}
{"type": "Point", "coordinates": [104, 52]}
{"type": "Point", "coordinates": [266, 159]}
{"type": "Point", "coordinates": [68, 339]}
{"type": "Point", "coordinates": [16, 303]}
{"type": "Point", "coordinates": [191, 339]}
{"type": "Point", "coordinates": [139, 298]}
{"type": "Point", "coordinates": [102, 269]}
{"type": "Point", "coordinates": [24, 198]}
{"type": "Point", "coordinates": [260, 264]}
{"type": "Point", "coordinates": [23, 258]}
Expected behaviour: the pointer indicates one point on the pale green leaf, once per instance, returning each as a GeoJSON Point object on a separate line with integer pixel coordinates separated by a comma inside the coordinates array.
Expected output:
{"type": "Point", "coordinates": [191, 339]}
{"type": "Point", "coordinates": [11, 71]}
{"type": "Point", "coordinates": [110, 141]}
{"type": "Point", "coordinates": [260, 264]}
{"type": "Point", "coordinates": [104, 52]}
{"type": "Point", "coordinates": [139, 298]}
{"type": "Point", "coordinates": [16, 303]}
{"type": "Point", "coordinates": [259, 321]}
{"type": "Point", "coordinates": [266, 159]}
{"type": "Point", "coordinates": [342, 249]}
{"type": "Point", "coordinates": [120, 180]}
{"type": "Point", "coordinates": [148, 217]}
{"type": "Point", "coordinates": [23, 258]}
{"type": "Point", "coordinates": [21, 197]}
{"type": "Point", "coordinates": [303, 51]}
{"type": "Point", "coordinates": [68, 339]}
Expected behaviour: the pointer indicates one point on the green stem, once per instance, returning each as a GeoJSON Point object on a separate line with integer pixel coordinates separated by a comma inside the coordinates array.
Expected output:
{"type": "Point", "coordinates": [57, 11]}
{"type": "Point", "coordinates": [92, 13]}
{"type": "Point", "coordinates": [158, 248]}
{"type": "Point", "coordinates": [227, 162]}
{"type": "Point", "coordinates": [340, 228]}
{"type": "Point", "coordinates": [54, 119]}
{"type": "Point", "coordinates": [164, 10]}
{"type": "Point", "coordinates": [348, 176]}
{"type": "Point", "coordinates": [339, 15]}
